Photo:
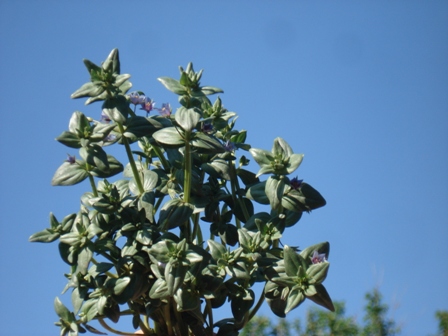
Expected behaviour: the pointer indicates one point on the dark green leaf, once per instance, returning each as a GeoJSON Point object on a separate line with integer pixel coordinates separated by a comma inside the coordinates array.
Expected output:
{"type": "Point", "coordinates": [293, 262]}
{"type": "Point", "coordinates": [115, 167]}
{"type": "Point", "coordinates": [116, 109]}
{"type": "Point", "coordinates": [69, 139]}
{"type": "Point", "coordinates": [187, 118]}
{"type": "Point", "coordinates": [45, 236]}
{"type": "Point", "coordinates": [217, 250]}
{"type": "Point", "coordinates": [174, 213]}
{"type": "Point", "coordinates": [173, 85]}
{"type": "Point", "coordinates": [207, 144]}
{"type": "Point", "coordinates": [95, 156]}
{"type": "Point", "coordinates": [69, 174]}
{"type": "Point", "coordinates": [137, 127]}
{"type": "Point", "coordinates": [295, 298]}
{"type": "Point", "coordinates": [169, 136]}
{"type": "Point", "coordinates": [258, 193]}
{"type": "Point", "coordinates": [209, 90]}
{"type": "Point", "coordinates": [274, 189]}
{"type": "Point", "coordinates": [62, 311]}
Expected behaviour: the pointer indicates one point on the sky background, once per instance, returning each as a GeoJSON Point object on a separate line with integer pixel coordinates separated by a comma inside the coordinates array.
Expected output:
{"type": "Point", "coordinates": [359, 87]}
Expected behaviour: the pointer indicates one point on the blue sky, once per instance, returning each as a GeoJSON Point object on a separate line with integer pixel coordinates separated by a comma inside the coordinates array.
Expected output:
{"type": "Point", "coordinates": [361, 88]}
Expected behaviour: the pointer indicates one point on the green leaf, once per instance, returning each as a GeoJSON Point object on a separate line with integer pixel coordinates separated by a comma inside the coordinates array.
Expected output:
{"type": "Point", "coordinates": [95, 156]}
{"type": "Point", "coordinates": [112, 62]}
{"type": "Point", "coordinates": [89, 309]}
{"type": "Point", "coordinates": [262, 157]}
{"type": "Point", "coordinates": [169, 136]}
{"type": "Point", "coordinates": [62, 311]}
{"type": "Point", "coordinates": [313, 199]}
{"type": "Point", "coordinates": [137, 127]}
{"type": "Point", "coordinates": [187, 118]}
{"type": "Point", "coordinates": [91, 66]}
{"type": "Point", "coordinates": [159, 289]}
{"type": "Point", "coordinates": [275, 186]}
{"type": "Point", "coordinates": [174, 213]}
{"type": "Point", "coordinates": [281, 148]}
{"type": "Point", "coordinates": [173, 85]}
{"type": "Point", "coordinates": [45, 236]}
{"type": "Point", "coordinates": [293, 262]}
{"type": "Point", "coordinates": [240, 305]}
{"type": "Point", "coordinates": [295, 298]}
{"type": "Point", "coordinates": [121, 284]}
{"type": "Point", "coordinates": [115, 167]}
{"type": "Point", "coordinates": [150, 180]}
{"type": "Point", "coordinates": [69, 174]}
{"type": "Point", "coordinates": [79, 124]}
{"type": "Point", "coordinates": [116, 109]}
{"type": "Point", "coordinates": [84, 257]}
{"type": "Point", "coordinates": [318, 272]}
{"type": "Point", "coordinates": [217, 250]}
{"type": "Point", "coordinates": [247, 177]}
{"type": "Point", "coordinates": [71, 238]}
{"type": "Point", "coordinates": [69, 139]}
{"type": "Point", "coordinates": [258, 193]}
{"type": "Point", "coordinates": [186, 299]}
{"type": "Point", "coordinates": [322, 298]}
{"type": "Point", "coordinates": [218, 168]}
{"type": "Point", "coordinates": [206, 144]}
{"type": "Point", "coordinates": [88, 90]}
{"type": "Point", "coordinates": [293, 201]}
{"type": "Point", "coordinates": [294, 162]}
{"type": "Point", "coordinates": [209, 90]}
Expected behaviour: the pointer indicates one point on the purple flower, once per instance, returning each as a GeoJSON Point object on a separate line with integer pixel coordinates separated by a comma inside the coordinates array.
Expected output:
{"type": "Point", "coordinates": [165, 110]}
{"type": "Point", "coordinates": [295, 183]}
{"type": "Point", "coordinates": [110, 138]}
{"type": "Point", "coordinates": [105, 118]}
{"type": "Point", "coordinates": [147, 105]}
{"type": "Point", "coordinates": [229, 146]}
{"type": "Point", "coordinates": [318, 257]}
{"type": "Point", "coordinates": [136, 98]}
{"type": "Point", "coordinates": [70, 159]}
{"type": "Point", "coordinates": [207, 128]}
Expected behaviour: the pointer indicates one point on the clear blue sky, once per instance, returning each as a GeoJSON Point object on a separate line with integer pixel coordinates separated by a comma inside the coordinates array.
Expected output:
{"type": "Point", "coordinates": [359, 87]}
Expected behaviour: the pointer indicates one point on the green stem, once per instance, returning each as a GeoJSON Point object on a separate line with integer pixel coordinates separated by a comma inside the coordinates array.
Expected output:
{"type": "Point", "coordinates": [168, 319]}
{"type": "Point", "coordinates": [209, 309]}
{"type": "Point", "coordinates": [112, 330]}
{"type": "Point", "coordinates": [165, 163]}
{"type": "Point", "coordinates": [187, 183]}
{"type": "Point", "coordinates": [255, 309]}
{"type": "Point", "coordinates": [143, 324]}
{"type": "Point", "coordinates": [92, 184]}
{"type": "Point", "coordinates": [137, 178]}
{"type": "Point", "coordinates": [157, 205]}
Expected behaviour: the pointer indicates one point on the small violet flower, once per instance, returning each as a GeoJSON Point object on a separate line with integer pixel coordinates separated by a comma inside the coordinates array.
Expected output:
{"type": "Point", "coordinates": [207, 128]}
{"type": "Point", "coordinates": [296, 183]}
{"type": "Point", "coordinates": [105, 118]}
{"type": "Point", "coordinates": [318, 257]}
{"type": "Point", "coordinates": [70, 159]}
{"type": "Point", "coordinates": [229, 146]}
{"type": "Point", "coordinates": [147, 105]}
{"type": "Point", "coordinates": [136, 98]}
{"type": "Point", "coordinates": [110, 138]}
{"type": "Point", "coordinates": [165, 110]}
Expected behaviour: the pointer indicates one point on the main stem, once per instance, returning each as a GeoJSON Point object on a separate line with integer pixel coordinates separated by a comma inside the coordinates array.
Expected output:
{"type": "Point", "coordinates": [187, 183]}
{"type": "Point", "coordinates": [138, 181]}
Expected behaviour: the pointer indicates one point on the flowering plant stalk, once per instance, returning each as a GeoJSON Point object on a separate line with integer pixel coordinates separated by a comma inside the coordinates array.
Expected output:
{"type": "Point", "coordinates": [178, 236]}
